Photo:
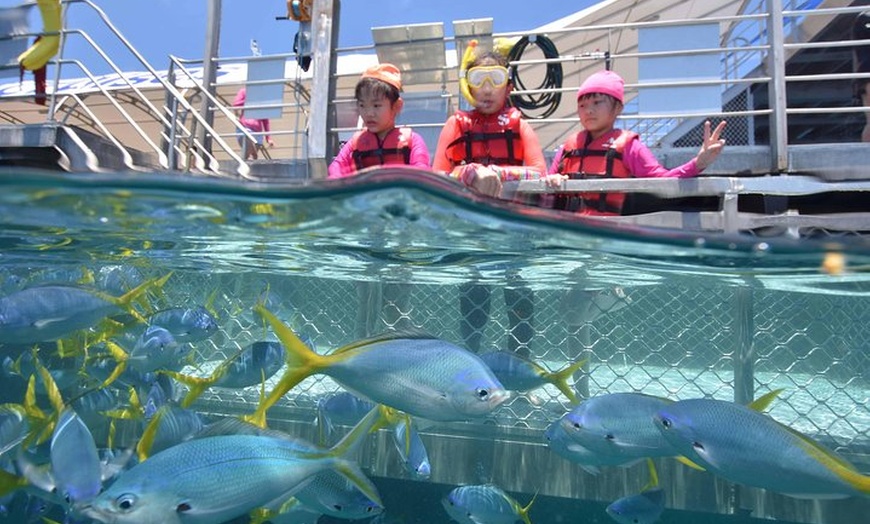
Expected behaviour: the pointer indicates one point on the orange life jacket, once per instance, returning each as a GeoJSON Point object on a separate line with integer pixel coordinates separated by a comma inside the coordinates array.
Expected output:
{"type": "Point", "coordinates": [368, 150]}
{"type": "Point", "coordinates": [488, 139]}
{"type": "Point", "coordinates": [584, 158]}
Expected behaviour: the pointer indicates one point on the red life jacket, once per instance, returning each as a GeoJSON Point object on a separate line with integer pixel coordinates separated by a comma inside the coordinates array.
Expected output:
{"type": "Point", "coordinates": [369, 151]}
{"type": "Point", "coordinates": [584, 158]}
{"type": "Point", "coordinates": [488, 139]}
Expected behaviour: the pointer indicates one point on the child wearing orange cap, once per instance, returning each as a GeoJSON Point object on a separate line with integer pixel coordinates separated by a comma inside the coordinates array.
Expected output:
{"type": "Point", "coordinates": [490, 144]}
{"type": "Point", "coordinates": [379, 101]}
{"type": "Point", "coordinates": [601, 150]}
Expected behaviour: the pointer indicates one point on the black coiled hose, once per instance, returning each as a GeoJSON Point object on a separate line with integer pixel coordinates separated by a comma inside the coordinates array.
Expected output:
{"type": "Point", "coordinates": [549, 102]}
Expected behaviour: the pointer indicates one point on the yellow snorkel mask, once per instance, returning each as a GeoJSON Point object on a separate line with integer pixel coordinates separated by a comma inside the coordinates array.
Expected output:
{"type": "Point", "coordinates": [500, 45]}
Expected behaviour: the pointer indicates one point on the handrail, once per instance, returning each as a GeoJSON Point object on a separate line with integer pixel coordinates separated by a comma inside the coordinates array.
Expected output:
{"type": "Point", "coordinates": [223, 110]}
{"type": "Point", "coordinates": [243, 169]}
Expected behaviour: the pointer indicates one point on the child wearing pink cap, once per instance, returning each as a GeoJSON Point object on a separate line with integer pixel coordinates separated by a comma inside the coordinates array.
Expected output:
{"type": "Point", "coordinates": [379, 101]}
{"type": "Point", "coordinates": [601, 150]}
{"type": "Point", "coordinates": [254, 125]}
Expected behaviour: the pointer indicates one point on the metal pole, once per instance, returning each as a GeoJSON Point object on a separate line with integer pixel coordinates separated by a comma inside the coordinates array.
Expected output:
{"type": "Point", "coordinates": [209, 69]}
{"type": "Point", "coordinates": [744, 344]}
{"type": "Point", "coordinates": [324, 38]}
{"type": "Point", "coordinates": [777, 89]}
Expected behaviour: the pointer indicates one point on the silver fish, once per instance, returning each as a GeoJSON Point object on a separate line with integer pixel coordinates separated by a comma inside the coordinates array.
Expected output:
{"type": "Point", "coordinates": [424, 377]}
{"type": "Point", "coordinates": [411, 449]}
{"type": "Point", "coordinates": [260, 360]}
{"type": "Point", "coordinates": [186, 324]}
{"type": "Point", "coordinates": [214, 479]}
{"type": "Point", "coordinates": [559, 440]}
{"type": "Point", "coordinates": [642, 508]}
{"type": "Point", "coordinates": [484, 504]}
{"type": "Point", "coordinates": [746, 447]}
{"type": "Point", "coordinates": [50, 312]}
{"type": "Point", "coordinates": [519, 374]}
{"type": "Point", "coordinates": [157, 348]}
{"type": "Point", "coordinates": [619, 425]}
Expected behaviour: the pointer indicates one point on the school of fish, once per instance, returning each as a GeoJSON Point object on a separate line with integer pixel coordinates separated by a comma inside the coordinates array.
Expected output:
{"type": "Point", "coordinates": [100, 423]}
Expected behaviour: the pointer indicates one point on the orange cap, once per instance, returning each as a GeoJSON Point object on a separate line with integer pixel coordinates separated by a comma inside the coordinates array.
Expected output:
{"type": "Point", "coordinates": [385, 73]}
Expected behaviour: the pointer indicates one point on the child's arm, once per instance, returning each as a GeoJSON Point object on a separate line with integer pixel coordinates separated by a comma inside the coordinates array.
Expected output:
{"type": "Point", "coordinates": [419, 151]}
{"type": "Point", "coordinates": [342, 165]}
{"type": "Point", "coordinates": [449, 133]}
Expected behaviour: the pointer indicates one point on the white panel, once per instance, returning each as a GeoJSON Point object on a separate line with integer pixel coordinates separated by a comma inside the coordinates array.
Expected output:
{"type": "Point", "coordinates": [262, 94]}
{"type": "Point", "coordinates": [687, 67]}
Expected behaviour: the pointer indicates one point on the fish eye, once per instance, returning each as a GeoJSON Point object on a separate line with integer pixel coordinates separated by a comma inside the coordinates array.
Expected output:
{"type": "Point", "coordinates": [482, 394]}
{"type": "Point", "coordinates": [126, 502]}
{"type": "Point", "coordinates": [666, 423]}
{"type": "Point", "coordinates": [698, 446]}
{"type": "Point", "coordinates": [609, 436]}
{"type": "Point", "coordinates": [577, 425]}
{"type": "Point", "coordinates": [336, 507]}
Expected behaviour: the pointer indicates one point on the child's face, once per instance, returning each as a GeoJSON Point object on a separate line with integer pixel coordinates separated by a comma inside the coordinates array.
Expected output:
{"type": "Point", "coordinates": [490, 99]}
{"type": "Point", "coordinates": [598, 113]}
{"type": "Point", "coordinates": [377, 113]}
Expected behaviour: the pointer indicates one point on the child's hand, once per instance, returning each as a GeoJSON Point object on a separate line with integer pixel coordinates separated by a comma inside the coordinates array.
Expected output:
{"type": "Point", "coordinates": [554, 180]}
{"type": "Point", "coordinates": [486, 181]}
{"type": "Point", "coordinates": [712, 145]}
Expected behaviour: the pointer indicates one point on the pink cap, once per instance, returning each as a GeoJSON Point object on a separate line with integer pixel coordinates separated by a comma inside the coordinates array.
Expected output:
{"type": "Point", "coordinates": [606, 82]}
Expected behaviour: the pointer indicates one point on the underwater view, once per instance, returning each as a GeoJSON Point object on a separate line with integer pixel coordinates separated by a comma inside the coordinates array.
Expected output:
{"type": "Point", "coordinates": [181, 349]}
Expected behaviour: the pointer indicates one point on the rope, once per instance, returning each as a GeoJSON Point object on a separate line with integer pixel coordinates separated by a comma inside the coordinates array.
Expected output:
{"type": "Point", "coordinates": [549, 102]}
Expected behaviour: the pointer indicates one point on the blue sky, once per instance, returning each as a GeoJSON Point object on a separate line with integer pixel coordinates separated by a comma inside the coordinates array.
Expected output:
{"type": "Point", "coordinates": [158, 28]}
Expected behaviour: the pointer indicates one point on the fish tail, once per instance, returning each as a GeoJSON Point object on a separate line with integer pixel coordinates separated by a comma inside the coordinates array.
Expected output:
{"type": "Point", "coordinates": [195, 385]}
{"type": "Point", "coordinates": [560, 379]}
{"type": "Point", "coordinates": [121, 357]}
{"type": "Point", "coordinates": [297, 354]}
{"type": "Point", "coordinates": [126, 300]}
{"type": "Point", "coordinates": [352, 472]}
{"type": "Point", "coordinates": [146, 441]}
{"type": "Point", "coordinates": [350, 443]}
{"type": "Point", "coordinates": [10, 482]}
{"type": "Point", "coordinates": [653, 475]}
{"type": "Point", "coordinates": [301, 361]}
{"type": "Point", "coordinates": [524, 511]}
{"type": "Point", "coordinates": [348, 446]}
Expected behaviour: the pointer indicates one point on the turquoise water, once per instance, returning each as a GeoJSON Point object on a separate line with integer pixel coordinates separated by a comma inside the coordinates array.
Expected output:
{"type": "Point", "coordinates": [663, 312]}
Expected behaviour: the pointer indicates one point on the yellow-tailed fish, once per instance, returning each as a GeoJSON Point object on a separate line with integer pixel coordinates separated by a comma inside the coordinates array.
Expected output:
{"type": "Point", "coordinates": [219, 478]}
{"type": "Point", "coordinates": [746, 447]}
{"type": "Point", "coordinates": [424, 377]}
{"type": "Point", "coordinates": [484, 503]}
{"type": "Point", "coordinates": [520, 374]}
{"type": "Point", "coordinates": [51, 312]}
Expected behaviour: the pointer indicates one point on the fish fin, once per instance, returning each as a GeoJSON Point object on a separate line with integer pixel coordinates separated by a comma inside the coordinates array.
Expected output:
{"type": "Point", "coordinates": [763, 402]}
{"type": "Point", "coordinates": [653, 475]}
{"type": "Point", "coordinates": [350, 443]}
{"type": "Point", "coordinates": [126, 300]}
{"type": "Point", "coordinates": [121, 357]}
{"type": "Point", "coordinates": [836, 464]}
{"type": "Point", "coordinates": [407, 334]}
{"type": "Point", "coordinates": [10, 482]}
{"type": "Point", "coordinates": [352, 472]}
{"type": "Point", "coordinates": [195, 385]}
{"type": "Point", "coordinates": [524, 511]}
{"type": "Point", "coordinates": [684, 460]}
{"type": "Point", "coordinates": [50, 386]}
{"type": "Point", "coordinates": [592, 470]}
{"type": "Point", "coordinates": [301, 361]}
{"type": "Point", "coordinates": [286, 383]}
{"type": "Point", "coordinates": [146, 441]}
{"type": "Point", "coordinates": [560, 379]}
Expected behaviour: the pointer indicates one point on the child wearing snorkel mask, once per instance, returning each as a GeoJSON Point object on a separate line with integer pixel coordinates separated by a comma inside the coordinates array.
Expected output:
{"type": "Point", "coordinates": [490, 144]}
